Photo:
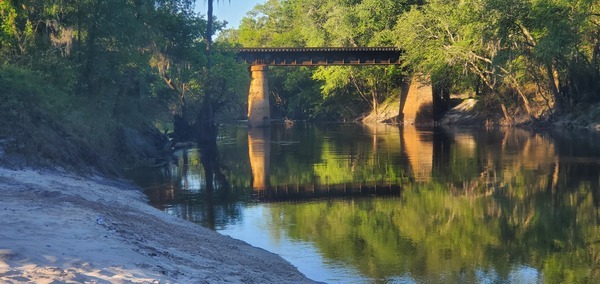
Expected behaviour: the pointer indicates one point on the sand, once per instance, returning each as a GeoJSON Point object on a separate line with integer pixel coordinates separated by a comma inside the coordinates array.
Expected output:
{"type": "Point", "coordinates": [57, 227]}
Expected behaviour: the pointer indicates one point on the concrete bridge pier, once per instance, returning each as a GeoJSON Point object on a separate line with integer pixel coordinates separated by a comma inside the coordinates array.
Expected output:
{"type": "Point", "coordinates": [416, 102]}
{"type": "Point", "coordinates": [259, 114]}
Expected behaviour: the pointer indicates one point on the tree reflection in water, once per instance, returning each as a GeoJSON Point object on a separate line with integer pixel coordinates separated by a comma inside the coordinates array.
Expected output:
{"type": "Point", "coordinates": [470, 205]}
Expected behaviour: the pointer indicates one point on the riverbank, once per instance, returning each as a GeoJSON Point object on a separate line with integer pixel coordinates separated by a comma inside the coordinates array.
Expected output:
{"type": "Point", "coordinates": [466, 112]}
{"type": "Point", "coordinates": [61, 227]}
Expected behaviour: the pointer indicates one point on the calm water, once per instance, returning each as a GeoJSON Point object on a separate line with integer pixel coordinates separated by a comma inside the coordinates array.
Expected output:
{"type": "Point", "coordinates": [352, 203]}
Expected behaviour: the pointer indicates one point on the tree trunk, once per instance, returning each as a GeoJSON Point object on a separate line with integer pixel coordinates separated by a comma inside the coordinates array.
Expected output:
{"type": "Point", "coordinates": [204, 129]}
{"type": "Point", "coordinates": [506, 116]}
{"type": "Point", "coordinates": [552, 85]}
{"type": "Point", "coordinates": [523, 97]}
{"type": "Point", "coordinates": [375, 103]}
{"type": "Point", "coordinates": [89, 73]}
{"type": "Point", "coordinates": [441, 97]}
{"type": "Point", "coordinates": [205, 123]}
{"type": "Point", "coordinates": [181, 128]}
{"type": "Point", "coordinates": [596, 57]}
{"type": "Point", "coordinates": [209, 32]}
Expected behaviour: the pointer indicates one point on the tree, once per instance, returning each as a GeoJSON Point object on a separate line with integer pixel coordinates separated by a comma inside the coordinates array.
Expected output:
{"type": "Point", "coordinates": [507, 45]}
{"type": "Point", "coordinates": [205, 124]}
{"type": "Point", "coordinates": [372, 84]}
{"type": "Point", "coordinates": [118, 73]}
{"type": "Point", "coordinates": [179, 60]}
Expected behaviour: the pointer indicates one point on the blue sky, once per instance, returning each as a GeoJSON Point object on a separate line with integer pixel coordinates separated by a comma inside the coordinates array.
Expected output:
{"type": "Point", "coordinates": [231, 11]}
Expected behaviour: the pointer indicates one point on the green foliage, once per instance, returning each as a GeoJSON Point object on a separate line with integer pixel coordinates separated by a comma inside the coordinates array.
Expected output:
{"type": "Point", "coordinates": [19, 90]}
{"type": "Point", "coordinates": [108, 68]}
{"type": "Point", "coordinates": [372, 84]}
{"type": "Point", "coordinates": [34, 124]}
{"type": "Point", "coordinates": [229, 84]}
{"type": "Point", "coordinates": [179, 59]}
{"type": "Point", "coordinates": [507, 45]}
{"type": "Point", "coordinates": [295, 93]}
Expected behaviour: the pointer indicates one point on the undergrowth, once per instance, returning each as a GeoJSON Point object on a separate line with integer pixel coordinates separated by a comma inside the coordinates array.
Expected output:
{"type": "Point", "coordinates": [48, 126]}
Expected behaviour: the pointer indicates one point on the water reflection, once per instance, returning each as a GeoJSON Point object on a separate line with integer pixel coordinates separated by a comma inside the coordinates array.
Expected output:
{"type": "Point", "coordinates": [382, 203]}
{"type": "Point", "coordinates": [418, 146]}
{"type": "Point", "coordinates": [259, 151]}
{"type": "Point", "coordinates": [180, 187]}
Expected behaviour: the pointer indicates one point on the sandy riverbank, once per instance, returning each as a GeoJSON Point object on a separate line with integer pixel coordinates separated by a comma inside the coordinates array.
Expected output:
{"type": "Point", "coordinates": [61, 227]}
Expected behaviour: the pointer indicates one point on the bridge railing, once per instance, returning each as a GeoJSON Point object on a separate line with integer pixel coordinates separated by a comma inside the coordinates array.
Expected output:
{"type": "Point", "coordinates": [320, 56]}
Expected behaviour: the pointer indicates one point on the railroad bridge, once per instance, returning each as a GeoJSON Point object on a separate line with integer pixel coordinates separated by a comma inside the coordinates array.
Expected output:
{"type": "Point", "coordinates": [415, 98]}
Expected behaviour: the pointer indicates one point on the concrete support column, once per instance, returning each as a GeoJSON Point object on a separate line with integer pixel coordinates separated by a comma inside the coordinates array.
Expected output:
{"type": "Point", "coordinates": [416, 102]}
{"type": "Point", "coordinates": [259, 114]}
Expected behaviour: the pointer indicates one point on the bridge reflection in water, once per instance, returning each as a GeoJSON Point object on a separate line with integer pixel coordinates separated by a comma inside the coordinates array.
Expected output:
{"type": "Point", "coordinates": [308, 191]}
{"type": "Point", "coordinates": [417, 147]}
{"type": "Point", "coordinates": [371, 160]}
{"type": "Point", "coordinates": [259, 151]}
{"type": "Point", "coordinates": [378, 160]}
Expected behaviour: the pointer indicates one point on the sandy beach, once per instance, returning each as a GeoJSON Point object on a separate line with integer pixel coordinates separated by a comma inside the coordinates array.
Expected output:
{"type": "Point", "coordinates": [57, 227]}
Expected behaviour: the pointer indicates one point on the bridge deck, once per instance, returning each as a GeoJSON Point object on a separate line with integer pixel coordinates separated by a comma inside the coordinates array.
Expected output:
{"type": "Point", "coordinates": [319, 56]}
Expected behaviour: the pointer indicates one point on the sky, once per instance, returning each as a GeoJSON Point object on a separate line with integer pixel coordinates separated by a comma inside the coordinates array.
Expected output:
{"type": "Point", "coordinates": [231, 11]}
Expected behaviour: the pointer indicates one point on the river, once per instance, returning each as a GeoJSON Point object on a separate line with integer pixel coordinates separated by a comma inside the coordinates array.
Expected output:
{"type": "Point", "coordinates": [359, 203]}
